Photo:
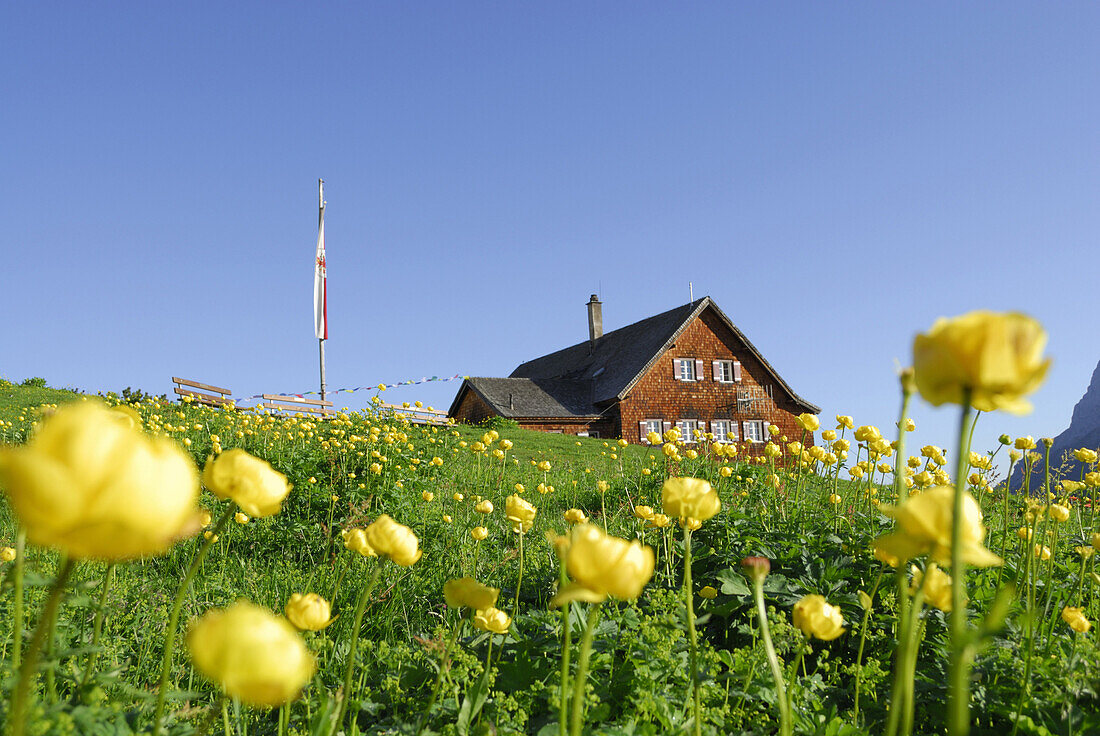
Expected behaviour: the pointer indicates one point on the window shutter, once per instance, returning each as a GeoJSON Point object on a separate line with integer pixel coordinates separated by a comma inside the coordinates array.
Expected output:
{"type": "Point", "coordinates": [737, 371]}
{"type": "Point", "coordinates": [716, 366]}
{"type": "Point", "coordinates": [698, 369]}
{"type": "Point", "coordinates": [666, 425]}
{"type": "Point", "coordinates": [676, 368]}
{"type": "Point", "coordinates": [642, 432]}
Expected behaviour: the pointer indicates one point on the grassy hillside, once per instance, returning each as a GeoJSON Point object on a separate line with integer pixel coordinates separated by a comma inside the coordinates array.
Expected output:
{"type": "Point", "coordinates": [348, 471]}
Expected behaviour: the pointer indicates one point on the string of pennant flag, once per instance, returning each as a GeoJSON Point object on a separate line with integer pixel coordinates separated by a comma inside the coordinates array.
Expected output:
{"type": "Point", "coordinates": [375, 387]}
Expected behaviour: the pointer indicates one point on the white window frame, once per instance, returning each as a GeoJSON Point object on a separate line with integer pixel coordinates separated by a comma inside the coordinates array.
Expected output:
{"type": "Point", "coordinates": [653, 425]}
{"type": "Point", "coordinates": [725, 371]}
{"type": "Point", "coordinates": [729, 430]}
{"type": "Point", "coordinates": [690, 430]}
{"type": "Point", "coordinates": [754, 424]}
{"type": "Point", "coordinates": [687, 370]}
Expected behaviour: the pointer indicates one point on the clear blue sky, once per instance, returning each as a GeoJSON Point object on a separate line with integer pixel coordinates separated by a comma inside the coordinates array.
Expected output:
{"type": "Point", "coordinates": [835, 176]}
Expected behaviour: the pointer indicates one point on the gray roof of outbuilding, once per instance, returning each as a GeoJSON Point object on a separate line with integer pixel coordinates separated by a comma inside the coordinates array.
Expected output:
{"type": "Point", "coordinates": [533, 397]}
{"type": "Point", "coordinates": [576, 380]}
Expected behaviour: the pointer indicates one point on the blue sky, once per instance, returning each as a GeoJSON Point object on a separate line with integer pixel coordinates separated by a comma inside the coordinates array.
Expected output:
{"type": "Point", "coordinates": [835, 177]}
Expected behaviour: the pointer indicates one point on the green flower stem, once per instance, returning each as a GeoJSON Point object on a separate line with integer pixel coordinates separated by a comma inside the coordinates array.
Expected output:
{"type": "Point", "coordinates": [27, 669]}
{"type": "Point", "coordinates": [174, 616]}
{"type": "Point", "coordinates": [785, 725]}
{"type": "Point", "coordinates": [577, 719]}
{"type": "Point", "coordinates": [863, 638]}
{"type": "Point", "coordinates": [349, 670]}
{"type": "Point", "coordinates": [566, 645]}
{"type": "Point", "coordinates": [689, 624]}
{"type": "Point", "coordinates": [17, 591]}
{"type": "Point", "coordinates": [1004, 535]}
{"type": "Point", "coordinates": [443, 666]}
{"type": "Point", "coordinates": [97, 625]}
{"type": "Point", "coordinates": [519, 582]}
{"type": "Point", "coordinates": [958, 689]}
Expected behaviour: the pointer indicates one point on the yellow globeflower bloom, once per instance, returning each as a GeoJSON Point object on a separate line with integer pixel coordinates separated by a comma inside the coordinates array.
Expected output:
{"type": "Point", "coordinates": [309, 612]}
{"type": "Point", "coordinates": [924, 528]}
{"type": "Point", "coordinates": [253, 654]}
{"type": "Point", "coordinates": [479, 533]}
{"type": "Point", "coordinates": [1075, 617]}
{"type": "Point", "coordinates": [240, 517]}
{"type": "Point", "coordinates": [643, 512]}
{"type": "Point", "coordinates": [689, 498]}
{"type": "Point", "coordinates": [1059, 512]}
{"type": "Point", "coordinates": [427, 496]}
{"type": "Point", "coordinates": [544, 466]}
{"type": "Point", "coordinates": [844, 422]}
{"type": "Point", "coordinates": [7, 554]}
{"type": "Point", "coordinates": [937, 589]}
{"type": "Point", "coordinates": [251, 482]}
{"type": "Point", "coordinates": [725, 471]}
{"type": "Point", "coordinates": [814, 616]}
{"type": "Point", "coordinates": [809, 422]}
{"type": "Point", "coordinates": [575, 516]}
{"type": "Point", "coordinates": [834, 499]}
{"type": "Point", "coordinates": [393, 540]}
{"type": "Point", "coordinates": [602, 486]}
{"type": "Point", "coordinates": [519, 512]}
{"type": "Point", "coordinates": [708, 592]}
{"type": "Point", "coordinates": [1042, 551]}
{"type": "Point", "coordinates": [653, 438]}
{"type": "Point", "coordinates": [484, 507]}
{"type": "Point", "coordinates": [469, 593]}
{"type": "Point", "coordinates": [602, 565]}
{"type": "Point", "coordinates": [1085, 455]}
{"type": "Point", "coordinates": [867, 433]}
{"type": "Point", "coordinates": [493, 620]}
{"type": "Point", "coordinates": [356, 540]}
{"type": "Point", "coordinates": [1025, 443]}
{"type": "Point", "coordinates": [998, 358]}
{"type": "Point", "coordinates": [92, 486]}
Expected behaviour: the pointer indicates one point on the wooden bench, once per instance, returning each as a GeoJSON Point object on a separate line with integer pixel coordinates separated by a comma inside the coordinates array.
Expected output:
{"type": "Point", "coordinates": [202, 398]}
{"type": "Point", "coordinates": [417, 415]}
{"type": "Point", "coordinates": [297, 405]}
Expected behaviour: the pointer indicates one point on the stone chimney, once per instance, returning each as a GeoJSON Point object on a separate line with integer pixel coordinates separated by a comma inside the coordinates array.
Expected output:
{"type": "Point", "coordinates": [595, 319]}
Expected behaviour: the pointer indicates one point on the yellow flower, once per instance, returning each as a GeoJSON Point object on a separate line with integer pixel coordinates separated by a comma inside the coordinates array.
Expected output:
{"type": "Point", "coordinates": [809, 422]}
{"type": "Point", "coordinates": [1085, 455]}
{"type": "Point", "coordinates": [844, 421]}
{"type": "Point", "coordinates": [575, 516]}
{"type": "Point", "coordinates": [828, 435]}
{"type": "Point", "coordinates": [519, 512]}
{"type": "Point", "coordinates": [689, 498]}
{"type": "Point", "coordinates": [479, 533]}
{"type": "Point", "coordinates": [210, 535]}
{"type": "Point", "coordinates": [708, 592]}
{"type": "Point", "coordinates": [1075, 617]}
{"type": "Point", "coordinates": [772, 450]}
{"type": "Point", "coordinates": [241, 517]}
{"type": "Point", "coordinates": [393, 540]}
{"type": "Point", "coordinates": [867, 433]}
{"type": "Point", "coordinates": [492, 620]}
{"type": "Point", "coordinates": [484, 507]}
{"type": "Point", "coordinates": [834, 499]}
{"type": "Point", "coordinates": [997, 357]}
{"type": "Point", "coordinates": [356, 540]}
{"type": "Point", "coordinates": [7, 554]}
{"type": "Point", "coordinates": [204, 518]}
{"type": "Point", "coordinates": [469, 593]}
{"type": "Point", "coordinates": [643, 512]}
{"type": "Point", "coordinates": [251, 482]}
{"type": "Point", "coordinates": [252, 654]}
{"type": "Point", "coordinates": [92, 486]}
{"type": "Point", "coordinates": [815, 617]}
{"type": "Point", "coordinates": [725, 471]}
{"type": "Point", "coordinates": [602, 565]}
{"type": "Point", "coordinates": [660, 521]}
{"type": "Point", "coordinates": [924, 528]}
{"type": "Point", "coordinates": [937, 589]}
{"type": "Point", "coordinates": [544, 466]}
{"type": "Point", "coordinates": [1025, 443]}
{"type": "Point", "coordinates": [653, 438]}
{"type": "Point", "coordinates": [1042, 551]}
{"type": "Point", "coordinates": [427, 496]}
{"type": "Point", "coordinates": [309, 612]}
{"type": "Point", "coordinates": [602, 486]}
{"type": "Point", "coordinates": [1059, 513]}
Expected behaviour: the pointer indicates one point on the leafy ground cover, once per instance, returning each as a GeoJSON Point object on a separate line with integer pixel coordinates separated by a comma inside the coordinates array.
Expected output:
{"type": "Point", "coordinates": [815, 522]}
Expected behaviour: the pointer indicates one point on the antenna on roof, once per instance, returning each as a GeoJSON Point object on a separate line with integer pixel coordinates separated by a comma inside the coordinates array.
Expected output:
{"type": "Point", "coordinates": [691, 293]}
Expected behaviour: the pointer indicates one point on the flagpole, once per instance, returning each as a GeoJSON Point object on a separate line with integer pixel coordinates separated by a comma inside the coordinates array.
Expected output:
{"type": "Point", "coordinates": [320, 228]}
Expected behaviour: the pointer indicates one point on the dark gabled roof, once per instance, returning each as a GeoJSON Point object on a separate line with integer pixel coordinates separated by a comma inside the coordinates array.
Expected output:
{"type": "Point", "coordinates": [532, 397]}
{"type": "Point", "coordinates": [614, 361]}
{"type": "Point", "coordinates": [577, 380]}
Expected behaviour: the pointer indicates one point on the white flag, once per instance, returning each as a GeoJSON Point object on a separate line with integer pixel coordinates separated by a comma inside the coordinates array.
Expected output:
{"type": "Point", "coordinates": [320, 295]}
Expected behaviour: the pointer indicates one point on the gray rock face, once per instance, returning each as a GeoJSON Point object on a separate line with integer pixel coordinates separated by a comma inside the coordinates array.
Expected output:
{"type": "Point", "coordinates": [1083, 431]}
